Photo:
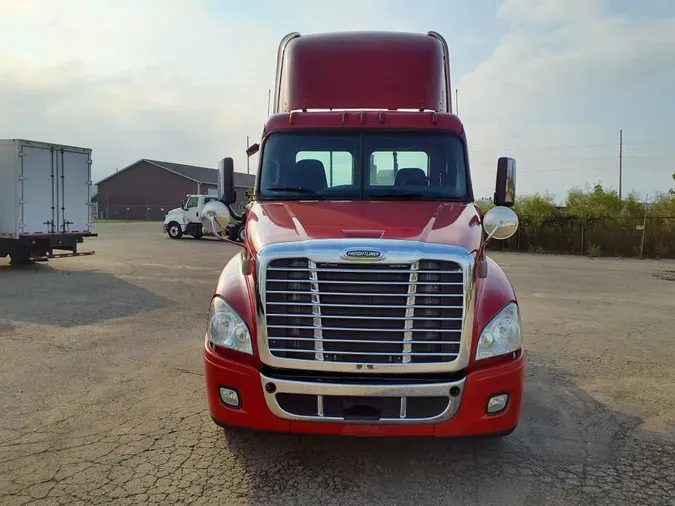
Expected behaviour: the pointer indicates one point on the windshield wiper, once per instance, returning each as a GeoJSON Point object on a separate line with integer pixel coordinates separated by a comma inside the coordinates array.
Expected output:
{"type": "Point", "coordinates": [294, 189]}
{"type": "Point", "coordinates": [403, 196]}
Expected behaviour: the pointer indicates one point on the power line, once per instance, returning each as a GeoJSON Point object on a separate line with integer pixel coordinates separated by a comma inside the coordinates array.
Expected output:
{"type": "Point", "coordinates": [542, 147]}
{"type": "Point", "coordinates": [613, 145]}
{"type": "Point", "coordinates": [569, 169]}
{"type": "Point", "coordinates": [649, 157]}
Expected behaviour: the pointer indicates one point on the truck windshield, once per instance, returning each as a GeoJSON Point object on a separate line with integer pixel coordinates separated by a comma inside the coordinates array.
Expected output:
{"type": "Point", "coordinates": [364, 165]}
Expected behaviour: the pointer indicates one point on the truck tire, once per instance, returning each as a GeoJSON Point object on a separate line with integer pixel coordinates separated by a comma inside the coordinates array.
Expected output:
{"type": "Point", "coordinates": [231, 232]}
{"type": "Point", "coordinates": [241, 235]}
{"type": "Point", "coordinates": [174, 230]}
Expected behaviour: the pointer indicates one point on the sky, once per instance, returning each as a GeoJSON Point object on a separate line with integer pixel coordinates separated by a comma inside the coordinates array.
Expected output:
{"type": "Point", "coordinates": [548, 82]}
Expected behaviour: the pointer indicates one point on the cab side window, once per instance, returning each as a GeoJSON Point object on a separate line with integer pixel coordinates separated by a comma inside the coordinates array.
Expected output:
{"type": "Point", "coordinates": [192, 202]}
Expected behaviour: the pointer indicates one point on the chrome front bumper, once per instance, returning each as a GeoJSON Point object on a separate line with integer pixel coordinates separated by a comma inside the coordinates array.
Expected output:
{"type": "Point", "coordinates": [452, 391]}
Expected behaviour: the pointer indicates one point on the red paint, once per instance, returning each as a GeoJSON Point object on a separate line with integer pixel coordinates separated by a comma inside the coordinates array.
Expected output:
{"type": "Point", "coordinates": [237, 289]}
{"type": "Point", "coordinates": [434, 222]}
{"type": "Point", "coordinates": [387, 71]}
{"type": "Point", "coordinates": [471, 418]}
{"type": "Point", "coordinates": [492, 294]}
{"type": "Point", "coordinates": [357, 70]}
{"type": "Point", "coordinates": [392, 119]}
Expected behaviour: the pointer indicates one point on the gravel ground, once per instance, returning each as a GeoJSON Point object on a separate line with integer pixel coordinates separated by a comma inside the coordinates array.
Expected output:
{"type": "Point", "coordinates": [102, 396]}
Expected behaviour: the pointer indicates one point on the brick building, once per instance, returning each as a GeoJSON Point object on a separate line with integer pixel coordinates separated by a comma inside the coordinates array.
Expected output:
{"type": "Point", "coordinates": [147, 189]}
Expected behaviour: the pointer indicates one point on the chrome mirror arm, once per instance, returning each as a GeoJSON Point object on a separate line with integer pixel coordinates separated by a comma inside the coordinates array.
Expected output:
{"type": "Point", "coordinates": [491, 234]}
{"type": "Point", "coordinates": [482, 266]}
{"type": "Point", "coordinates": [212, 218]}
{"type": "Point", "coordinates": [246, 265]}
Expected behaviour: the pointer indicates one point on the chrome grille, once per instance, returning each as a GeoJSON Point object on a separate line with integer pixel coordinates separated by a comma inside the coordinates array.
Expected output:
{"type": "Point", "coordinates": [364, 313]}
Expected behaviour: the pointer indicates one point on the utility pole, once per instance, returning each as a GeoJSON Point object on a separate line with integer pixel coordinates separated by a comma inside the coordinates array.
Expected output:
{"type": "Point", "coordinates": [457, 101]}
{"type": "Point", "coordinates": [644, 225]}
{"type": "Point", "coordinates": [620, 161]}
{"type": "Point", "coordinates": [248, 158]}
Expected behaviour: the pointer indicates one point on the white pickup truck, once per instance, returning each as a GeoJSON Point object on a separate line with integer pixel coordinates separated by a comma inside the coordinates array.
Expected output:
{"type": "Point", "coordinates": [186, 220]}
{"type": "Point", "coordinates": [45, 193]}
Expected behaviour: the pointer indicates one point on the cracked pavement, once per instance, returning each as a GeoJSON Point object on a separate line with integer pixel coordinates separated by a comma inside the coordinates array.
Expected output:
{"type": "Point", "coordinates": [102, 396]}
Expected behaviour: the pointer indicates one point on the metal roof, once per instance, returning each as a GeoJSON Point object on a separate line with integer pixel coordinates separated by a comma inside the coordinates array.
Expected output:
{"type": "Point", "coordinates": [193, 172]}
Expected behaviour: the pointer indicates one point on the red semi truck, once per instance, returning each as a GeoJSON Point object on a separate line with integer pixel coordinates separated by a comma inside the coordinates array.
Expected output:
{"type": "Point", "coordinates": [362, 301]}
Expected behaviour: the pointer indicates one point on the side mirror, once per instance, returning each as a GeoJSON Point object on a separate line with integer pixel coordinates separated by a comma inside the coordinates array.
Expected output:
{"type": "Point", "coordinates": [500, 223]}
{"type": "Point", "coordinates": [182, 204]}
{"type": "Point", "coordinates": [252, 149]}
{"type": "Point", "coordinates": [216, 217]}
{"type": "Point", "coordinates": [505, 187]}
{"type": "Point", "coordinates": [226, 181]}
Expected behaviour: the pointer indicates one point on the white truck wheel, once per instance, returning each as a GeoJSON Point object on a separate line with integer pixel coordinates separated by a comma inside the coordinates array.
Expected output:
{"type": "Point", "coordinates": [174, 230]}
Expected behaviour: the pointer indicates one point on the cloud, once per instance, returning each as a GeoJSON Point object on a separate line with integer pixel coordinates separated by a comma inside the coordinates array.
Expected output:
{"type": "Point", "coordinates": [165, 79]}
{"type": "Point", "coordinates": [565, 73]}
{"type": "Point", "coordinates": [133, 79]}
{"type": "Point", "coordinates": [187, 80]}
{"type": "Point", "coordinates": [520, 12]}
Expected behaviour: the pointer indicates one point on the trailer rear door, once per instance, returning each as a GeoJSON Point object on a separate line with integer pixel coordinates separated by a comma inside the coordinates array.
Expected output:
{"type": "Point", "coordinates": [73, 185]}
{"type": "Point", "coordinates": [38, 211]}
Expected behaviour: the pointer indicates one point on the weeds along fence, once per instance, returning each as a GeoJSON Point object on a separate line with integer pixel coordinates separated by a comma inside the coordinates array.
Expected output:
{"type": "Point", "coordinates": [620, 237]}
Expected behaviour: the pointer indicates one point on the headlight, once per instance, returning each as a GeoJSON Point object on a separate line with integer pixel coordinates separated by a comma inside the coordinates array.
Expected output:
{"type": "Point", "coordinates": [501, 335]}
{"type": "Point", "coordinates": [227, 329]}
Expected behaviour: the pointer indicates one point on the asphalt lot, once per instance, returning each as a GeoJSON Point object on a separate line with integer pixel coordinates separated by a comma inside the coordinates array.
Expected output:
{"type": "Point", "coordinates": [102, 393]}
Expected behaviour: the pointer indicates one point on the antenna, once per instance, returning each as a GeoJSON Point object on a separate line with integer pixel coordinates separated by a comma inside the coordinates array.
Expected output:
{"type": "Point", "coordinates": [269, 98]}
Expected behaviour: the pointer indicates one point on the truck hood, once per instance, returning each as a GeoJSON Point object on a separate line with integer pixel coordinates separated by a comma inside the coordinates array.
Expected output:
{"type": "Point", "coordinates": [433, 222]}
{"type": "Point", "coordinates": [177, 214]}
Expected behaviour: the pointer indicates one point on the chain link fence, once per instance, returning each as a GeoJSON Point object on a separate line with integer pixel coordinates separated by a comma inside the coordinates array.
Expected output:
{"type": "Point", "coordinates": [134, 212]}
{"type": "Point", "coordinates": [621, 237]}
{"type": "Point", "coordinates": [144, 212]}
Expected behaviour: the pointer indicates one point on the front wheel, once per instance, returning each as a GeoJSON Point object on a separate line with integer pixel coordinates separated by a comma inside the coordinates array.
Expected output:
{"type": "Point", "coordinates": [242, 234]}
{"type": "Point", "coordinates": [174, 230]}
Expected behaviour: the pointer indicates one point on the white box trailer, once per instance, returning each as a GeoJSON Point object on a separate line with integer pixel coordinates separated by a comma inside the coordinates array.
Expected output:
{"type": "Point", "coordinates": [45, 193]}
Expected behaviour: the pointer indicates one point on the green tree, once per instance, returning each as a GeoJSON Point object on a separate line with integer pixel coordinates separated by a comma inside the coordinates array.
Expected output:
{"type": "Point", "coordinates": [249, 195]}
{"type": "Point", "coordinates": [672, 190]}
{"type": "Point", "coordinates": [485, 204]}
{"type": "Point", "coordinates": [633, 206]}
{"type": "Point", "coordinates": [596, 203]}
{"type": "Point", "coordinates": [535, 206]}
{"type": "Point", "coordinates": [663, 205]}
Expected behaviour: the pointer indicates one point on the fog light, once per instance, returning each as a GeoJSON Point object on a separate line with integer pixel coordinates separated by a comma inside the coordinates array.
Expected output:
{"type": "Point", "coordinates": [497, 403]}
{"type": "Point", "coordinates": [230, 397]}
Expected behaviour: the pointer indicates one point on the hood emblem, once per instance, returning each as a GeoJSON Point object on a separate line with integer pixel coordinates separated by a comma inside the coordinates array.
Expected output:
{"type": "Point", "coordinates": [363, 255]}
